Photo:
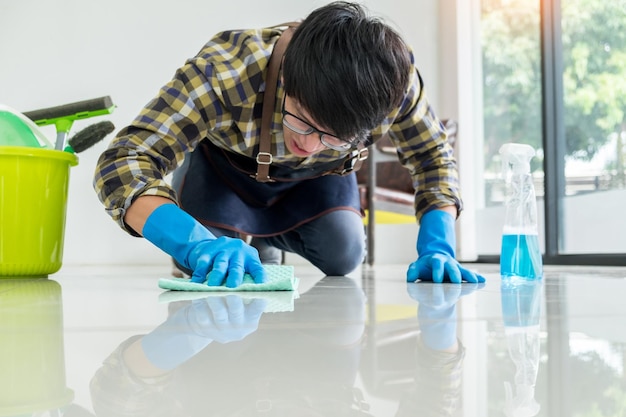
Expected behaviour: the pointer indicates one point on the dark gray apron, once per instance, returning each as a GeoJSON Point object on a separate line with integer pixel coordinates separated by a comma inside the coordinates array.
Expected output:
{"type": "Point", "coordinates": [219, 190]}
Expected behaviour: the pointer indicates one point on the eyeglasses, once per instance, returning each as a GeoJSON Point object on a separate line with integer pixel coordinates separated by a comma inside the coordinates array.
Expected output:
{"type": "Point", "coordinates": [293, 122]}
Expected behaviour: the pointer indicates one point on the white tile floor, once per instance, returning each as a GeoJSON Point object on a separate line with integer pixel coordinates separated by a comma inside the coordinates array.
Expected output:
{"type": "Point", "coordinates": [106, 341]}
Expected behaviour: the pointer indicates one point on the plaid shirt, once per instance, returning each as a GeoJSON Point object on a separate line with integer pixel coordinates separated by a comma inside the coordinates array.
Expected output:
{"type": "Point", "coordinates": [218, 95]}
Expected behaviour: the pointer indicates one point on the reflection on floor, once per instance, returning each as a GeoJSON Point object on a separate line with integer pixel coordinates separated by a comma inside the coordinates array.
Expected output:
{"type": "Point", "coordinates": [106, 341]}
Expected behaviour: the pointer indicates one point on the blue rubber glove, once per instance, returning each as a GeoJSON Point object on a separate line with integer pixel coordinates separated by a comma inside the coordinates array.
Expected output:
{"type": "Point", "coordinates": [224, 259]}
{"type": "Point", "coordinates": [189, 330]}
{"type": "Point", "coordinates": [435, 249]}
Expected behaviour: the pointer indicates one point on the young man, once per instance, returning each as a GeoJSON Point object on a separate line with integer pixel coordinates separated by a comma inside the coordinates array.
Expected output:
{"type": "Point", "coordinates": [345, 80]}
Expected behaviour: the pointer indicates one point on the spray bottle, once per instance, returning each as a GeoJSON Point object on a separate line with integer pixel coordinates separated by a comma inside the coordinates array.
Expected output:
{"type": "Point", "coordinates": [520, 256]}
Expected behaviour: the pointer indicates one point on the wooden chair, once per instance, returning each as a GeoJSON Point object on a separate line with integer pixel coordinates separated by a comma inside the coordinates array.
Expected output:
{"type": "Point", "coordinates": [386, 187]}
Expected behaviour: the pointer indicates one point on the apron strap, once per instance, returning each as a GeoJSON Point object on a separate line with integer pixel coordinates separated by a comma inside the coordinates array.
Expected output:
{"type": "Point", "coordinates": [264, 159]}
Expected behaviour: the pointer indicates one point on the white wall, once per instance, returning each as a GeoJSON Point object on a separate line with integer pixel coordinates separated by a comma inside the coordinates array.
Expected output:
{"type": "Point", "coordinates": [60, 51]}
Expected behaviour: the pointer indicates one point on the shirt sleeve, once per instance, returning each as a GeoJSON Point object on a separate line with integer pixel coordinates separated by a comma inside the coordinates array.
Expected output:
{"type": "Point", "coordinates": [422, 144]}
{"type": "Point", "coordinates": [197, 103]}
{"type": "Point", "coordinates": [155, 143]}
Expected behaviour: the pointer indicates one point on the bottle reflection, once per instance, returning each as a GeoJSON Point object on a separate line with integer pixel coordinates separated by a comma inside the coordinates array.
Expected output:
{"type": "Point", "coordinates": [32, 363]}
{"type": "Point", "coordinates": [230, 356]}
{"type": "Point", "coordinates": [521, 310]}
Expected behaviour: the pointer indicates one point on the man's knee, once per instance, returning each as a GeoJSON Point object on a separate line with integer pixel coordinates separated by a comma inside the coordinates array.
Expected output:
{"type": "Point", "coordinates": [343, 257]}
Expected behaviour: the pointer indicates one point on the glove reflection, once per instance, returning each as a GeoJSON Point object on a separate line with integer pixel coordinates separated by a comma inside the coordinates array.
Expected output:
{"type": "Point", "coordinates": [440, 296]}
{"type": "Point", "coordinates": [219, 318]}
{"type": "Point", "coordinates": [226, 318]}
{"type": "Point", "coordinates": [436, 311]}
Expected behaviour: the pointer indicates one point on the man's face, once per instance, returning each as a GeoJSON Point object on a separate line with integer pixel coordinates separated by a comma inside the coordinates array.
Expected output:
{"type": "Point", "coordinates": [301, 132]}
{"type": "Point", "coordinates": [299, 143]}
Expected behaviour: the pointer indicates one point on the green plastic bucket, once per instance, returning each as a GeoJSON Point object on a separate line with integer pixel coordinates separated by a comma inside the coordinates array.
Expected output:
{"type": "Point", "coordinates": [33, 200]}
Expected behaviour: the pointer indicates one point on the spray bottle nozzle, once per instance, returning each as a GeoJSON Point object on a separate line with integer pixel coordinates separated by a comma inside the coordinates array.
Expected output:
{"type": "Point", "coordinates": [516, 157]}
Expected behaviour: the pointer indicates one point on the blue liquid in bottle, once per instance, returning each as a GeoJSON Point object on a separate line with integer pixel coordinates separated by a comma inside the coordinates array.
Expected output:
{"type": "Point", "coordinates": [521, 257]}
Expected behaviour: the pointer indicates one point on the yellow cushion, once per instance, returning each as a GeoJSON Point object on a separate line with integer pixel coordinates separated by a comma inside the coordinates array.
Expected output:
{"type": "Point", "coordinates": [387, 217]}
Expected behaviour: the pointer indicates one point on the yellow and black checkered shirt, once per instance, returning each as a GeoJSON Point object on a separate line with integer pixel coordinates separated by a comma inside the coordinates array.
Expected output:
{"type": "Point", "coordinates": [218, 95]}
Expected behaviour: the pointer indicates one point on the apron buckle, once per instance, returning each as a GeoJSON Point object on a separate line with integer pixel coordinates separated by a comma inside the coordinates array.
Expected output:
{"type": "Point", "coordinates": [264, 158]}
{"type": "Point", "coordinates": [354, 162]}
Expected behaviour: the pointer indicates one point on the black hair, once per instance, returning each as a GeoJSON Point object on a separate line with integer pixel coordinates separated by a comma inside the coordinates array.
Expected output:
{"type": "Point", "coordinates": [348, 70]}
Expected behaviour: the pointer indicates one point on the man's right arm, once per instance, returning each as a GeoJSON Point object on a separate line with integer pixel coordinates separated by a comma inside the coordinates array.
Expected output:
{"type": "Point", "coordinates": [141, 209]}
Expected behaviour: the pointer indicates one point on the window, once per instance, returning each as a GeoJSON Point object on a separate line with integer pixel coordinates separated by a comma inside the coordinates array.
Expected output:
{"type": "Point", "coordinates": [562, 90]}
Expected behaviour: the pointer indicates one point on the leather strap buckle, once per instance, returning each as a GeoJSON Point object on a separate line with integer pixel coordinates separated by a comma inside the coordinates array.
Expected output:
{"type": "Point", "coordinates": [264, 158]}
{"type": "Point", "coordinates": [354, 162]}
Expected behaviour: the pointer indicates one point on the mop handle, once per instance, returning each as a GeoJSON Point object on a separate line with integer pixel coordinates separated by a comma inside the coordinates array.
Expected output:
{"type": "Point", "coordinates": [63, 116]}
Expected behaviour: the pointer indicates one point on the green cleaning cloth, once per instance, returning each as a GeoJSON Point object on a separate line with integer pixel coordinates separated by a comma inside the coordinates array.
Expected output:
{"type": "Point", "coordinates": [279, 278]}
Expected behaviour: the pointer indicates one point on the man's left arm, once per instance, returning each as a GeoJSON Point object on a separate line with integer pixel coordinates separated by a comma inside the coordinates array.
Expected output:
{"type": "Point", "coordinates": [423, 147]}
